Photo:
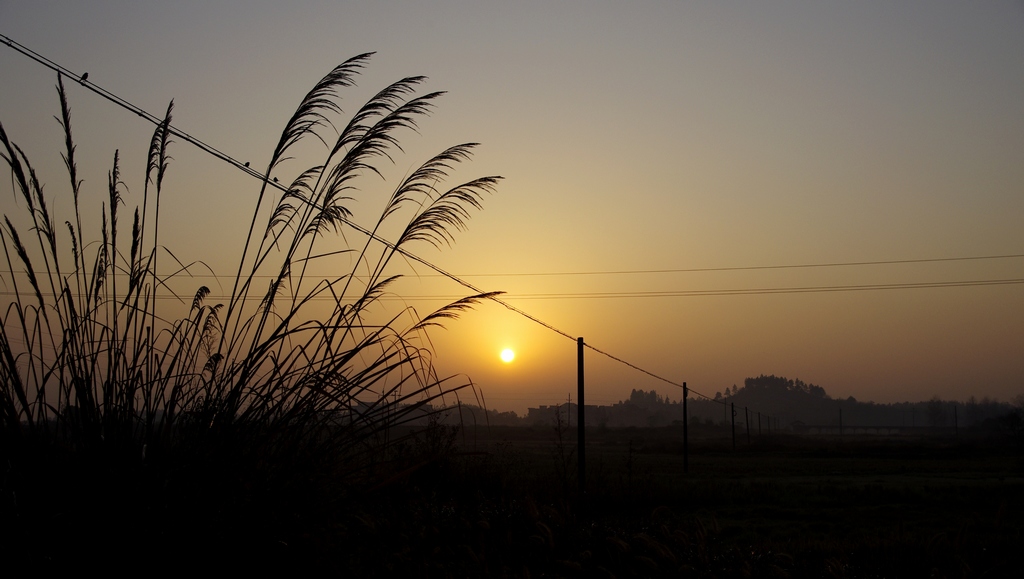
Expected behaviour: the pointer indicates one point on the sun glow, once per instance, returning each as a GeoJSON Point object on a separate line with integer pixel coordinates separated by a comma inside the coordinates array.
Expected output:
{"type": "Point", "coordinates": [507, 355]}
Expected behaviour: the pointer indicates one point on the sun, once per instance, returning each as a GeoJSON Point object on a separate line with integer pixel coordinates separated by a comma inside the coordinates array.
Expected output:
{"type": "Point", "coordinates": [507, 355]}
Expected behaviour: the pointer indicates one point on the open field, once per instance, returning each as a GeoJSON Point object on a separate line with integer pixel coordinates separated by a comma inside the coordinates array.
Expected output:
{"type": "Point", "coordinates": [782, 506]}
{"type": "Point", "coordinates": [504, 503]}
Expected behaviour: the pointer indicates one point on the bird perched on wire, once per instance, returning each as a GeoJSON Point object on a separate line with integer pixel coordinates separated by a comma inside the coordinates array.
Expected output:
{"type": "Point", "coordinates": [247, 163]}
{"type": "Point", "coordinates": [84, 77]}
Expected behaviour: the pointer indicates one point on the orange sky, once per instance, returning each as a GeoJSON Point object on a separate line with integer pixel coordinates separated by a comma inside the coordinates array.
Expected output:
{"type": "Point", "coordinates": [648, 136]}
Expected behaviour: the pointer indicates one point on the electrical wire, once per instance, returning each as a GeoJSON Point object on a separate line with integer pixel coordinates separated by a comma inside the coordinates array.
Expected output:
{"type": "Point", "coordinates": [669, 294]}
{"type": "Point", "coordinates": [768, 290]}
{"type": "Point", "coordinates": [687, 270]}
{"type": "Point", "coordinates": [750, 267]}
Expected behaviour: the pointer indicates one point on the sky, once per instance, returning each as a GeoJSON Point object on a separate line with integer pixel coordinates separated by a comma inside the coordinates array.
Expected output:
{"type": "Point", "coordinates": [712, 139]}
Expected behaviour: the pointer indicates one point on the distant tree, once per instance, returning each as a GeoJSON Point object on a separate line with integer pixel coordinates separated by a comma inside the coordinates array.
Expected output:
{"type": "Point", "coordinates": [772, 385]}
{"type": "Point", "coordinates": [816, 391]}
{"type": "Point", "coordinates": [642, 398]}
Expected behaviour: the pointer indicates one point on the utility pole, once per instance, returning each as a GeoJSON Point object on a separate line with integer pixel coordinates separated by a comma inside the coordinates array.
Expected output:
{"type": "Point", "coordinates": [733, 405]}
{"type": "Point", "coordinates": [746, 420]}
{"type": "Point", "coordinates": [581, 448]}
{"type": "Point", "coordinates": [686, 432]}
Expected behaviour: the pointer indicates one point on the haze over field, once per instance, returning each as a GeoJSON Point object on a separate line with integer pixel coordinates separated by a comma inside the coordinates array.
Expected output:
{"type": "Point", "coordinates": [654, 136]}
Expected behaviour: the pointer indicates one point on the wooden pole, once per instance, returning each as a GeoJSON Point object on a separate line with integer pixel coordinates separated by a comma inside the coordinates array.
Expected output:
{"type": "Point", "coordinates": [759, 424]}
{"type": "Point", "coordinates": [581, 449]}
{"type": "Point", "coordinates": [686, 432]}
{"type": "Point", "coordinates": [746, 420]}
{"type": "Point", "coordinates": [733, 405]}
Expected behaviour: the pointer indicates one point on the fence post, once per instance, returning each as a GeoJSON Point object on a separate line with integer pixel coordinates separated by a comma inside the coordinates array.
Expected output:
{"type": "Point", "coordinates": [581, 445]}
{"type": "Point", "coordinates": [746, 420]}
{"type": "Point", "coordinates": [686, 432]}
{"type": "Point", "coordinates": [759, 423]}
{"type": "Point", "coordinates": [840, 422]}
{"type": "Point", "coordinates": [733, 405]}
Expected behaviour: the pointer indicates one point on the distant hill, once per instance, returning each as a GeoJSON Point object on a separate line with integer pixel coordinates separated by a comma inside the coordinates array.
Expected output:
{"type": "Point", "coordinates": [785, 402]}
{"type": "Point", "coordinates": [797, 401]}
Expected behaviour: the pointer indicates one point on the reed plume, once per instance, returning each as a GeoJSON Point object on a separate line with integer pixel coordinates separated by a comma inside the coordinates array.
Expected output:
{"type": "Point", "coordinates": [90, 356]}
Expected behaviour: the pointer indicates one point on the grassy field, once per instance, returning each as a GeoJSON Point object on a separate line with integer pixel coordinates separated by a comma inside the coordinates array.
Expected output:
{"type": "Point", "coordinates": [506, 504]}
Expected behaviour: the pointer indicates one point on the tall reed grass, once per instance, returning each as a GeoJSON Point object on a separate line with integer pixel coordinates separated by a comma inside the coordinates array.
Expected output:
{"type": "Point", "coordinates": [92, 360]}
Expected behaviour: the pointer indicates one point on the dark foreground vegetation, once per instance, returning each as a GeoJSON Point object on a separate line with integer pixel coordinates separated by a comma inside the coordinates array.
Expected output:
{"type": "Point", "coordinates": [145, 423]}
{"type": "Point", "coordinates": [505, 503]}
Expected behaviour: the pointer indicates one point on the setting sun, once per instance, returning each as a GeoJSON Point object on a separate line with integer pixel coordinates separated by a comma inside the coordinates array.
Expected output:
{"type": "Point", "coordinates": [507, 355]}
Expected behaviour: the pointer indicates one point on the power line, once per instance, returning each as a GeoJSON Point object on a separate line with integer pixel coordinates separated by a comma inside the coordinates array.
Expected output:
{"type": "Point", "coordinates": [81, 78]}
{"type": "Point", "coordinates": [685, 270]}
{"type": "Point", "coordinates": [663, 294]}
{"type": "Point", "coordinates": [633, 366]}
{"type": "Point", "coordinates": [766, 291]}
{"type": "Point", "coordinates": [750, 267]}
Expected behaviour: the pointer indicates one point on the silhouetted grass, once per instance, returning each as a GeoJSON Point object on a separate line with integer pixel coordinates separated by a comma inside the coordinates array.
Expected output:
{"type": "Point", "coordinates": [182, 424]}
